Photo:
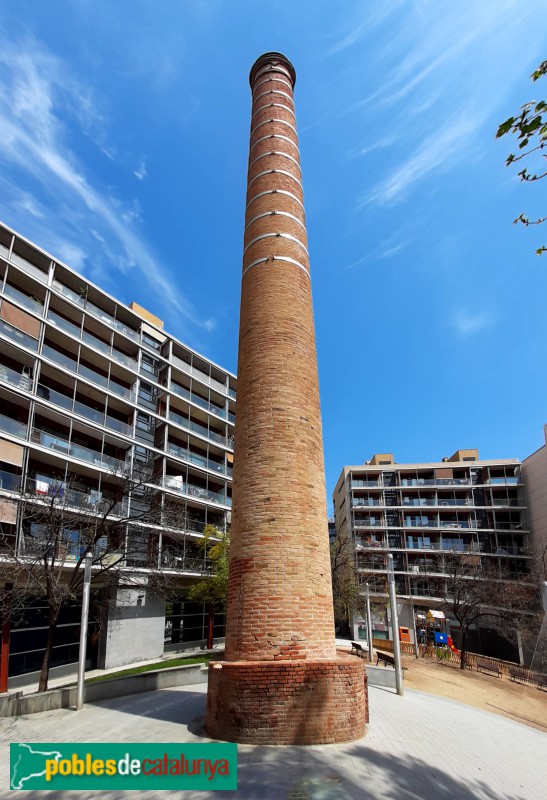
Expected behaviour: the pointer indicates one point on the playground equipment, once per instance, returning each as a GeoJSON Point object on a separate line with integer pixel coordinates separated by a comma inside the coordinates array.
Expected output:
{"type": "Point", "coordinates": [452, 647]}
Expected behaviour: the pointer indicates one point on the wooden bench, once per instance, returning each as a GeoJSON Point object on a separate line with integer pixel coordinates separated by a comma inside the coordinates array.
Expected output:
{"type": "Point", "coordinates": [359, 649]}
{"type": "Point", "coordinates": [541, 681]}
{"type": "Point", "coordinates": [485, 666]}
{"type": "Point", "coordinates": [387, 659]}
{"type": "Point", "coordinates": [520, 674]}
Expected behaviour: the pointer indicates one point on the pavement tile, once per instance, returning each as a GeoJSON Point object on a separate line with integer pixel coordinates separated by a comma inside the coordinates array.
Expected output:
{"type": "Point", "coordinates": [418, 747]}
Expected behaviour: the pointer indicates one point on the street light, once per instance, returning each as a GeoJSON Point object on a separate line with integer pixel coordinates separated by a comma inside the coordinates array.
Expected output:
{"type": "Point", "coordinates": [83, 632]}
{"type": "Point", "coordinates": [395, 626]}
{"type": "Point", "coordinates": [369, 623]}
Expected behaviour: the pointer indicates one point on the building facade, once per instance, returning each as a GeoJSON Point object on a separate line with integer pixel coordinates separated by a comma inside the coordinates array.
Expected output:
{"type": "Point", "coordinates": [418, 512]}
{"type": "Point", "coordinates": [534, 471]}
{"type": "Point", "coordinates": [93, 392]}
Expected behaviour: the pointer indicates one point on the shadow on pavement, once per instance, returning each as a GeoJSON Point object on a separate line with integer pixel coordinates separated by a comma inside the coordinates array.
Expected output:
{"type": "Point", "coordinates": [165, 705]}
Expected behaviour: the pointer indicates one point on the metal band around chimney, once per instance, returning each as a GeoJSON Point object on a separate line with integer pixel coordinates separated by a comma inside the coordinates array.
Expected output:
{"type": "Point", "coordinates": [275, 191]}
{"type": "Point", "coordinates": [272, 105]}
{"type": "Point", "coordinates": [276, 236]}
{"type": "Point", "coordinates": [274, 119]}
{"type": "Point", "coordinates": [275, 153]}
{"type": "Point", "coordinates": [274, 136]}
{"type": "Point", "coordinates": [273, 259]}
{"type": "Point", "coordinates": [275, 214]}
{"type": "Point", "coordinates": [274, 171]}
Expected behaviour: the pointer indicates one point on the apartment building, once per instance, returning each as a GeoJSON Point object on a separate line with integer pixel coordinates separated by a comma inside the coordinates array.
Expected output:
{"type": "Point", "coordinates": [417, 512]}
{"type": "Point", "coordinates": [90, 391]}
{"type": "Point", "coordinates": [534, 471]}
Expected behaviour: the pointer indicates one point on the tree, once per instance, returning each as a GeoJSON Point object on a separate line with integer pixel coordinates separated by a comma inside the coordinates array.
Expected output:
{"type": "Point", "coordinates": [471, 591]}
{"type": "Point", "coordinates": [212, 590]}
{"type": "Point", "coordinates": [60, 526]}
{"type": "Point", "coordinates": [530, 128]}
{"type": "Point", "coordinates": [346, 593]}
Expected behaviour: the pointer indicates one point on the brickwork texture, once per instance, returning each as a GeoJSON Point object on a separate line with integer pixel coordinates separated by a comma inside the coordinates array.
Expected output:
{"type": "Point", "coordinates": [279, 605]}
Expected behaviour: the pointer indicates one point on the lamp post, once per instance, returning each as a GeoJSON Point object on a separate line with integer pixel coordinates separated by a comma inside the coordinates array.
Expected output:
{"type": "Point", "coordinates": [395, 626]}
{"type": "Point", "coordinates": [369, 623]}
{"type": "Point", "coordinates": [83, 632]}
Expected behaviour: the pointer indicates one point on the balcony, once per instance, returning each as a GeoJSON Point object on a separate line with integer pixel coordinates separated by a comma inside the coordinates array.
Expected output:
{"type": "Point", "coordinates": [181, 391]}
{"type": "Point", "coordinates": [175, 558]}
{"type": "Point", "coordinates": [201, 461]}
{"type": "Point", "coordinates": [25, 265]}
{"type": "Point", "coordinates": [10, 482]}
{"type": "Point", "coordinates": [24, 300]}
{"type": "Point", "coordinates": [61, 359]}
{"type": "Point", "coordinates": [14, 378]}
{"type": "Point", "coordinates": [17, 336]}
{"type": "Point", "coordinates": [177, 484]}
{"type": "Point", "coordinates": [199, 429]}
{"type": "Point", "coordinates": [13, 427]}
{"type": "Point", "coordinates": [507, 481]}
{"type": "Point", "coordinates": [357, 483]}
{"type": "Point", "coordinates": [435, 482]}
{"type": "Point", "coordinates": [76, 451]}
{"type": "Point", "coordinates": [92, 341]}
{"type": "Point", "coordinates": [101, 418]}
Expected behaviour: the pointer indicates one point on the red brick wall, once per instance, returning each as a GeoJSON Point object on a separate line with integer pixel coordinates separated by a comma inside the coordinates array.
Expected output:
{"type": "Point", "coordinates": [282, 681]}
{"type": "Point", "coordinates": [279, 597]}
{"type": "Point", "coordinates": [287, 702]}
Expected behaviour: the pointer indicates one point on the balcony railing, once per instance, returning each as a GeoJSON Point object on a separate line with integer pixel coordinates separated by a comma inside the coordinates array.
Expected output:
{"type": "Point", "coordinates": [201, 461]}
{"type": "Point", "coordinates": [28, 267]}
{"type": "Point", "coordinates": [13, 427]}
{"type": "Point", "coordinates": [60, 445]}
{"type": "Point", "coordinates": [14, 378]}
{"type": "Point", "coordinates": [10, 482]}
{"type": "Point", "coordinates": [18, 336]}
{"type": "Point", "coordinates": [199, 401]}
{"type": "Point", "coordinates": [197, 428]}
{"type": "Point", "coordinates": [357, 483]}
{"type": "Point", "coordinates": [435, 481]}
{"type": "Point", "coordinates": [80, 300]}
{"type": "Point", "coordinates": [175, 558]}
{"type": "Point", "coordinates": [96, 378]}
{"type": "Point", "coordinates": [178, 485]}
{"type": "Point", "coordinates": [61, 359]}
{"type": "Point", "coordinates": [28, 302]}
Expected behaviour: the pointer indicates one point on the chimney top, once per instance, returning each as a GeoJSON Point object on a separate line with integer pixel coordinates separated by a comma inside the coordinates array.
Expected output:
{"type": "Point", "coordinates": [272, 58]}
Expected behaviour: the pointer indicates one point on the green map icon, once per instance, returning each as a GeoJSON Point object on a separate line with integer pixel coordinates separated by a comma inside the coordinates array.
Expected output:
{"type": "Point", "coordinates": [28, 763]}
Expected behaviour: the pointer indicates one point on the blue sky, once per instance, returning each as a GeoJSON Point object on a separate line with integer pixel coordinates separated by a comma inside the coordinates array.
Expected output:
{"type": "Point", "coordinates": [123, 151]}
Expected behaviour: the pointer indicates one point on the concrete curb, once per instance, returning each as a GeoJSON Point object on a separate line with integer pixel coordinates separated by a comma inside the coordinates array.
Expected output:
{"type": "Point", "coordinates": [18, 704]}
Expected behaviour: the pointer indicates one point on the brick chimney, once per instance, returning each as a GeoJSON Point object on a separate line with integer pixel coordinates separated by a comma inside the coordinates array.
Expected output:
{"type": "Point", "coordinates": [282, 681]}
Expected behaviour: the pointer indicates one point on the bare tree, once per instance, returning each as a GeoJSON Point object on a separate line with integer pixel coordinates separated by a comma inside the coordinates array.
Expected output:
{"type": "Point", "coordinates": [61, 526]}
{"type": "Point", "coordinates": [346, 592]}
{"type": "Point", "coordinates": [471, 591]}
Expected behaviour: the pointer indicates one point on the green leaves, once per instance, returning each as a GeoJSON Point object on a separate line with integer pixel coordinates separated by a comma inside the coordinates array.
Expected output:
{"type": "Point", "coordinates": [530, 129]}
{"type": "Point", "coordinates": [505, 127]}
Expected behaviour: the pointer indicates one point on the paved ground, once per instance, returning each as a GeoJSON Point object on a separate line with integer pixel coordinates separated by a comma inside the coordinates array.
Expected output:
{"type": "Point", "coordinates": [418, 746]}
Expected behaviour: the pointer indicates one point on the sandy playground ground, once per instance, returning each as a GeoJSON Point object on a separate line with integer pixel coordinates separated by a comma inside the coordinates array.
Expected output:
{"type": "Point", "coordinates": [522, 703]}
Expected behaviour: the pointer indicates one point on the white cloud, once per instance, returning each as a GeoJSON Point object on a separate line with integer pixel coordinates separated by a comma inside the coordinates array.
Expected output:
{"type": "Point", "coordinates": [466, 323]}
{"type": "Point", "coordinates": [38, 98]}
{"type": "Point", "coordinates": [436, 102]}
{"type": "Point", "coordinates": [28, 204]}
{"type": "Point", "coordinates": [388, 248]}
{"type": "Point", "coordinates": [141, 171]}
{"type": "Point", "coordinates": [447, 145]}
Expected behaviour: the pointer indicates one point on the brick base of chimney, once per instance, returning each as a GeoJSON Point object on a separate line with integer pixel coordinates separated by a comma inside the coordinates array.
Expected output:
{"type": "Point", "coordinates": [287, 702]}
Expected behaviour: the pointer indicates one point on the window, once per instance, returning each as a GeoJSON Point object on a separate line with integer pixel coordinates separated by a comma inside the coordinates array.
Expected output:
{"type": "Point", "coordinates": [150, 365]}
{"type": "Point", "coordinates": [150, 341]}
